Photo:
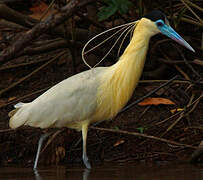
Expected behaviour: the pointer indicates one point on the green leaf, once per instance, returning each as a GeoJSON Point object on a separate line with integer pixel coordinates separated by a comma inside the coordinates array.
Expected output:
{"type": "Point", "coordinates": [106, 12]}
{"type": "Point", "coordinates": [141, 129]}
{"type": "Point", "coordinates": [112, 6]}
{"type": "Point", "coordinates": [124, 6]}
{"type": "Point", "coordinates": [116, 128]}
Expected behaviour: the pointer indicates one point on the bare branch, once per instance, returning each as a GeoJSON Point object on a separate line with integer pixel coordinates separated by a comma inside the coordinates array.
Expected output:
{"type": "Point", "coordinates": [44, 26]}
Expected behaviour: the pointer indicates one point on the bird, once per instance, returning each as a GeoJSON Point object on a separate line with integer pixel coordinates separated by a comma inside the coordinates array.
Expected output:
{"type": "Point", "coordinates": [96, 94]}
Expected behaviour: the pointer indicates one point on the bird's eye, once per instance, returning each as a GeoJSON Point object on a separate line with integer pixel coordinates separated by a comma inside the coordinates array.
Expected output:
{"type": "Point", "coordinates": [159, 24]}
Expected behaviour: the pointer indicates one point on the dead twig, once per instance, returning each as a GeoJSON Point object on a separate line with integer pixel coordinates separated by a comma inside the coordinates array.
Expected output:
{"type": "Point", "coordinates": [14, 16]}
{"type": "Point", "coordinates": [147, 95]}
{"type": "Point", "coordinates": [23, 22]}
{"type": "Point", "coordinates": [52, 138]}
{"type": "Point", "coordinates": [195, 127]}
{"type": "Point", "coordinates": [144, 136]}
{"type": "Point", "coordinates": [183, 114]}
{"type": "Point", "coordinates": [6, 130]}
{"type": "Point", "coordinates": [24, 97]}
{"type": "Point", "coordinates": [11, 25]}
{"type": "Point", "coordinates": [186, 62]}
{"type": "Point", "coordinates": [182, 72]}
{"type": "Point", "coordinates": [48, 24]}
{"type": "Point", "coordinates": [198, 62]}
{"type": "Point", "coordinates": [49, 7]}
{"type": "Point", "coordinates": [163, 81]}
{"type": "Point", "coordinates": [188, 7]}
{"type": "Point", "coordinates": [13, 66]}
{"type": "Point", "coordinates": [44, 48]}
{"type": "Point", "coordinates": [29, 75]}
{"type": "Point", "coordinates": [194, 5]}
{"type": "Point", "coordinates": [195, 61]}
{"type": "Point", "coordinates": [190, 21]}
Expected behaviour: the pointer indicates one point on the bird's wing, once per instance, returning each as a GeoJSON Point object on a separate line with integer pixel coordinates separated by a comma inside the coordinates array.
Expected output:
{"type": "Point", "coordinates": [72, 100]}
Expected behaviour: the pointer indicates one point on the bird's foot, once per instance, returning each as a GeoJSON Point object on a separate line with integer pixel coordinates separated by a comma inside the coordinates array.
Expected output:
{"type": "Point", "coordinates": [86, 162]}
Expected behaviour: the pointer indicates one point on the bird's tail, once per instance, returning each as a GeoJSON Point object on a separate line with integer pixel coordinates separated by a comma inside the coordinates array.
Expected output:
{"type": "Point", "coordinates": [17, 116]}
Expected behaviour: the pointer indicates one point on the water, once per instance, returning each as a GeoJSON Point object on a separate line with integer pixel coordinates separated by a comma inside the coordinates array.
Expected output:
{"type": "Point", "coordinates": [106, 172]}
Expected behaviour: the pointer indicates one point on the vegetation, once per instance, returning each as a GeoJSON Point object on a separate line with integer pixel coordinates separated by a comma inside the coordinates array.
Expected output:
{"type": "Point", "coordinates": [113, 6]}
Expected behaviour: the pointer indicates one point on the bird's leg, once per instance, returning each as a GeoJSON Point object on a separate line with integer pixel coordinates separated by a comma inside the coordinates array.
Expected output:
{"type": "Point", "coordinates": [84, 138]}
{"type": "Point", "coordinates": [42, 138]}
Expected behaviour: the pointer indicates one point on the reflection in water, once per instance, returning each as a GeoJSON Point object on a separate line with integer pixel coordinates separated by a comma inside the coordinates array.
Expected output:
{"type": "Point", "coordinates": [86, 173]}
{"type": "Point", "coordinates": [37, 175]}
{"type": "Point", "coordinates": [106, 172]}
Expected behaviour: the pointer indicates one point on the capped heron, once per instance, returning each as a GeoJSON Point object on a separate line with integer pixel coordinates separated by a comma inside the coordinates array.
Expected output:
{"type": "Point", "coordinates": [97, 94]}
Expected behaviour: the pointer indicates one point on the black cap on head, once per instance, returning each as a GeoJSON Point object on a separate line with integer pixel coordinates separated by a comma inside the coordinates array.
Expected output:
{"type": "Point", "coordinates": [155, 15]}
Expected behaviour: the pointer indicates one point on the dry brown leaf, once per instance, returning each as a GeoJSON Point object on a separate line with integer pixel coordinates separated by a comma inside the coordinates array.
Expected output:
{"type": "Point", "coordinates": [155, 101]}
{"type": "Point", "coordinates": [38, 9]}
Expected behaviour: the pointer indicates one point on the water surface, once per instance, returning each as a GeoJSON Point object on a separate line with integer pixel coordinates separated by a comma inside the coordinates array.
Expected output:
{"type": "Point", "coordinates": [158, 171]}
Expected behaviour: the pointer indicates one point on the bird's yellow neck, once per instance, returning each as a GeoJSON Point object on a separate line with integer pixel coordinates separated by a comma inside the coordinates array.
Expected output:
{"type": "Point", "coordinates": [120, 80]}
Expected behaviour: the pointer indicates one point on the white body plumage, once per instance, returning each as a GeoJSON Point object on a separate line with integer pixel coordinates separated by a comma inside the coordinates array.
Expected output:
{"type": "Point", "coordinates": [64, 105]}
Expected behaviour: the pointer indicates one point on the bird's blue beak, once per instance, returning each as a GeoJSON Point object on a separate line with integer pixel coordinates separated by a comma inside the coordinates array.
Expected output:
{"type": "Point", "coordinates": [170, 32]}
